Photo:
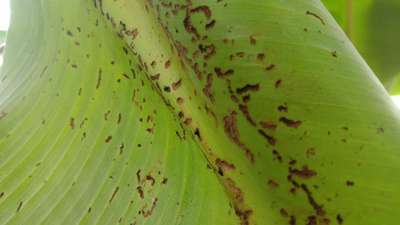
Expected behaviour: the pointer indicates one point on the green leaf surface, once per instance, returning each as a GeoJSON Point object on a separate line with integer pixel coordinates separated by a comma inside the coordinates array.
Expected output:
{"type": "Point", "coordinates": [192, 112]}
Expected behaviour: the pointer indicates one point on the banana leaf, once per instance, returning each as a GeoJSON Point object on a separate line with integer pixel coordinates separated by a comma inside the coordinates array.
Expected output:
{"type": "Point", "coordinates": [192, 112]}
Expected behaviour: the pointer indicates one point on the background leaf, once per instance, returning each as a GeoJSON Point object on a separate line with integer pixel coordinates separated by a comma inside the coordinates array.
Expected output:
{"type": "Point", "coordinates": [373, 27]}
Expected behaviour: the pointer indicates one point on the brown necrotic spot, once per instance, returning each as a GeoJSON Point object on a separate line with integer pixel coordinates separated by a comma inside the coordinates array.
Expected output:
{"type": "Point", "coordinates": [339, 219]}
{"type": "Point", "coordinates": [151, 179]}
{"type": "Point", "coordinates": [290, 123]}
{"type": "Point", "coordinates": [268, 125]}
{"type": "Point", "coordinates": [260, 56]}
{"type": "Point", "coordinates": [180, 101]}
{"type": "Point", "coordinates": [98, 79]}
{"type": "Point", "coordinates": [247, 88]}
{"type": "Point", "coordinates": [113, 194]}
{"type": "Point", "coordinates": [283, 108]}
{"type": "Point", "coordinates": [278, 83]}
{"type": "Point", "coordinates": [72, 122]}
{"type": "Point", "coordinates": [19, 206]}
{"type": "Point", "coordinates": [253, 40]}
{"type": "Point", "coordinates": [176, 84]}
{"type": "Point", "coordinates": [272, 184]}
{"type": "Point", "coordinates": [155, 76]}
{"type": "Point", "coordinates": [318, 208]}
{"type": "Point", "coordinates": [271, 140]}
{"type": "Point", "coordinates": [283, 212]}
{"type": "Point", "coordinates": [204, 9]}
{"type": "Point", "coordinates": [270, 67]}
{"type": "Point", "coordinates": [223, 73]}
{"type": "Point", "coordinates": [224, 166]}
{"type": "Point", "coordinates": [207, 90]}
{"type": "Point", "coordinates": [140, 191]}
{"type": "Point", "coordinates": [207, 50]}
{"type": "Point", "coordinates": [350, 183]}
{"type": "Point", "coordinates": [210, 25]}
{"type": "Point", "coordinates": [167, 64]}
{"type": "Point", "coordinates": [108, 139]}
{"type": "Point", "coordinates": [304, 172]}
{"type": "Point", "coordinates": [245, 110]}
{"type": "Point", "coordinates": [315, 16]}
{"type": "Point", "coordinates": [230, 127]}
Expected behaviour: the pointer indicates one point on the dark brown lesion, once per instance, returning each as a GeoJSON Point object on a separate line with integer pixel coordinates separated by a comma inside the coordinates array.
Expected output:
{"type": "Point", "coordinates": [114, 194]}
{"type": "Point", "coordinates": [224, 166]}
{"type": "Point", "coordinates": [316, 16]}
{"type": "Point", "coordinates": [305, 172]}
{"type": "Point", "coordinates": [231, 129]}
{"type": "Point", "coordinates": [247, 88]}
{"type": "Point", "coordinates": [223, 73]}
{"type": "Point", "coordinates": [290, 122]}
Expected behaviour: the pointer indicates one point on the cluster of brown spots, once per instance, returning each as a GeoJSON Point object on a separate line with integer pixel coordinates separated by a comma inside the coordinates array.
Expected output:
{"type": "Point", "coordinates": [316, 16]}
{"type": "Point", "coordinates": [230, 126]}
{"type": "Point", "coordinates": [164, 180]}
{"type": "Point", "coordinates": [224, 166]}
{"type": "Point", "coordinates": [290, 123]}
{"type": "Point", "coordinates": [304, 172]}
{"type": "Point", "coordinates": [223, 73]}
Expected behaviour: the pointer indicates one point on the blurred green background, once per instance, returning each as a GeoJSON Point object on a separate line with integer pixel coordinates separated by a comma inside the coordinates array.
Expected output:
{"type": "Point", "coordinates": [374, 28]}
